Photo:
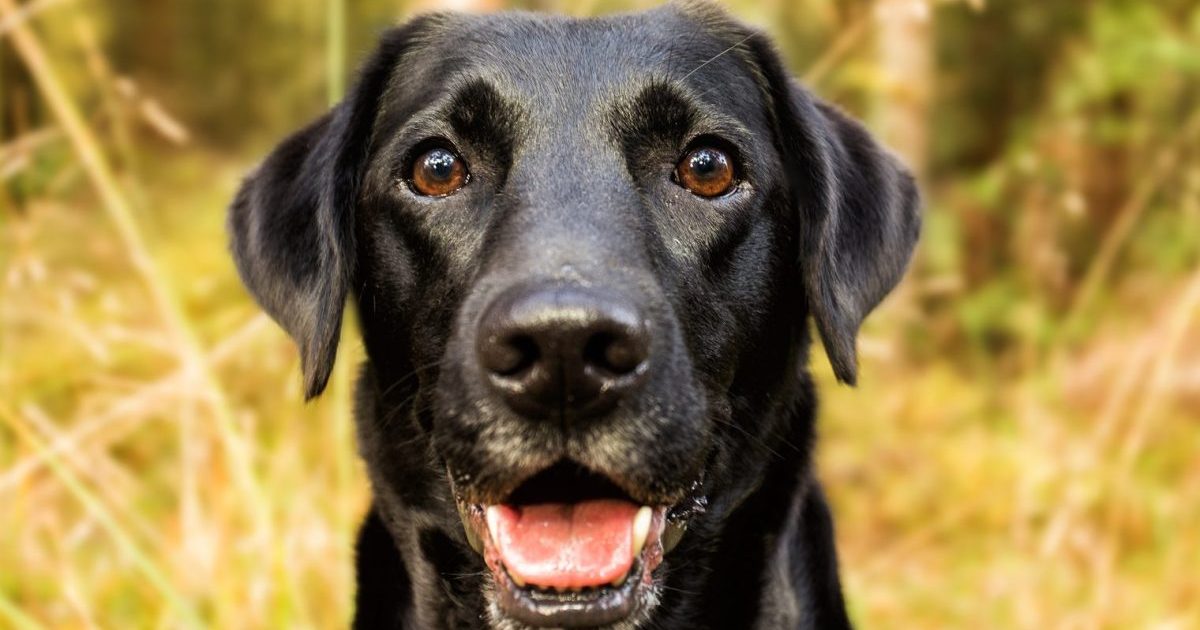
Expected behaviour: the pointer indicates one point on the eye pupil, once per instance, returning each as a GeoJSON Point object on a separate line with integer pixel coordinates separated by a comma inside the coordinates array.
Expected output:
{"type": "Point", "coordinates": [437, 173]}
{"type": "Point", "coordinates": [704, 163]}
{"type": "Point", "coordinates": [440, 163]}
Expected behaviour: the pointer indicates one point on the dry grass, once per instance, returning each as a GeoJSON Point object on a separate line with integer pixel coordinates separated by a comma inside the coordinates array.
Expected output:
{"type": "Point", "coordinates": [1064, 498]}
{"type": "Point", "coordinates": [115, 467]}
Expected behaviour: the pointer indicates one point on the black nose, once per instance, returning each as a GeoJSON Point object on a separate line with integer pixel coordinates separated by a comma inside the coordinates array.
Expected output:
{"type": "Point", "coordinates": [558, 349]}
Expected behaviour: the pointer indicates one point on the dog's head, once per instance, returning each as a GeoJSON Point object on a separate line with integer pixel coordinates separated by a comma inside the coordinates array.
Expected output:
{"type": "Point", "coordinates": [583, 254]}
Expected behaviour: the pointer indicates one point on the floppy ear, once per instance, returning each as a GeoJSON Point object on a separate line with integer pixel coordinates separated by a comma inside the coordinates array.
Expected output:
{"type": "Point", "coordinates": [859, 238]}
{"type": "Point", "coordinates": [292, 222]}
{"type": "Point", "coordinates": [859, 211]}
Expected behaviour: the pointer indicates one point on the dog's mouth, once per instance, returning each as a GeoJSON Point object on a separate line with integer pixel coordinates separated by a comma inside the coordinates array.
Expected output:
{"type": "Point", "coordinates": [569, 548]}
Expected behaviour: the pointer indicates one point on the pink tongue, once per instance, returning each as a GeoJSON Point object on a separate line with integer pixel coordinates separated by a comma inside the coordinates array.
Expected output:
{"type": "Point", "coordinates": [565, 545]}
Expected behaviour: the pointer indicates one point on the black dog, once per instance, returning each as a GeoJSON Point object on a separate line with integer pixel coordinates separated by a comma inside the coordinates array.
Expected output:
{"type": "Point", "coordinates": [583, 254]}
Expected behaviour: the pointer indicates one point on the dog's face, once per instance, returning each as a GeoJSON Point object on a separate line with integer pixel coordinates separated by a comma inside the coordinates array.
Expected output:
{"type": "Point", "coordinates": [583, 253]}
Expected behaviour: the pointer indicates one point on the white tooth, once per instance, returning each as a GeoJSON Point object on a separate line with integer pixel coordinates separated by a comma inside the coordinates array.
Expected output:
{"type": "Point", "coordinates": [641, 528]}
{"type": "Point", "coordinates": [618, 582]}
{"type": "Point", "coordinates": [516, 580]}
{"type": "Point", "coordinates": [493, 522]}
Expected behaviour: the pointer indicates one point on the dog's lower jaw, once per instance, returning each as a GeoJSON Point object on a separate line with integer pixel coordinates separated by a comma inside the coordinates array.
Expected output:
{"type": "Point", "coordinates": [794, 582]}
{"type": "Point", "coordinates": [769, 564]}
{"type": "Point", "coordinates": [637, 619]}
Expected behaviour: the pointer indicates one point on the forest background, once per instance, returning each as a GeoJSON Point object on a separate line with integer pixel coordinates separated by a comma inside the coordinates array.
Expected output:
{"type": "Point", "coordinates": [1023, 450]}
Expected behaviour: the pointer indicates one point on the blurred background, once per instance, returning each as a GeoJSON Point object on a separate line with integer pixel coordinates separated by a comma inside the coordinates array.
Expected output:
{"type": "Point", "coordinates": [1023, 450]}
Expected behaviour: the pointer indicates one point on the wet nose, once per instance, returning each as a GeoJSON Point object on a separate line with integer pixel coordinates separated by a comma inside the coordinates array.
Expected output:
{"type": "Point", "coordinates": [562, 350]}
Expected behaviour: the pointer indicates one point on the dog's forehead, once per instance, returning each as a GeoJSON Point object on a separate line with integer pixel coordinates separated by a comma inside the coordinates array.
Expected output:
{"type": "Point", "coordinates": [568, 65]}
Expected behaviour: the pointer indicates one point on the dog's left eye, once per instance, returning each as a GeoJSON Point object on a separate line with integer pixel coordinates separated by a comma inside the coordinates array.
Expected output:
{"type": "Point", "coordinates": [437, 172]}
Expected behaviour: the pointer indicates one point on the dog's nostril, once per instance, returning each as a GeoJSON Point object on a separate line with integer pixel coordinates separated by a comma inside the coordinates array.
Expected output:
{"type": "Point", "coordinates": [616, 354]}
{"type": "Point", "coordinates": [511, 356]}
{"type": "Point", "coordinates": [520, 353]}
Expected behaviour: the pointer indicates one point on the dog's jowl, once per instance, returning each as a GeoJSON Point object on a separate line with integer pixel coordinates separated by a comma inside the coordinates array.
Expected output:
{"type": "Point", "coordinates": [583, 254]}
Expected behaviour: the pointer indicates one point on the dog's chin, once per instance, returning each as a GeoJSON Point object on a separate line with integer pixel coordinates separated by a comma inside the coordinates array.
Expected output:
{"type": "Point", "coordinates": [627, 607]}
{"type": "Point", "coordinates": [568, 549]}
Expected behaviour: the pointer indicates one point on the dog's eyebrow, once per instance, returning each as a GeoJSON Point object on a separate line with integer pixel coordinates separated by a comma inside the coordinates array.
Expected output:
{"type": "Point", "coordinates": [670, 112]}
{"type": "Point", "coordinates": [478, 113]}
{"type": "Point", "coordinates": [471, 111]}
{"type": "Point", "coordinates": [658, 110]}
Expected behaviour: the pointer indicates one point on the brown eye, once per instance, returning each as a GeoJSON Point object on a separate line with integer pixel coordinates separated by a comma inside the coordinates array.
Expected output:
{"type": "Point", "coordinates": [438, 172]}
{"type": "Point", "coordinates": [706, 172]}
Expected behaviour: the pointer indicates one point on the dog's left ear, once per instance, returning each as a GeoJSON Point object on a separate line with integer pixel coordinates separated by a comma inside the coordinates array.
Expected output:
{"type": "Point", "coordinates": [292, 222]}
{"type": "Point", "coordinates": [858, 210]}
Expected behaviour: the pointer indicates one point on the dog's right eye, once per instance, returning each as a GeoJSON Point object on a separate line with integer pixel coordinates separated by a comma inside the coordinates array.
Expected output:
{"type": "Point", "coordinates": [437, 172]}
{"type": "Point", "coordinates": [706, 172]}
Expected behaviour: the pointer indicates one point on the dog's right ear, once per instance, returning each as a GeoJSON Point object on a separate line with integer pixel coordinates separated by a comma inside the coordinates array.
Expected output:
{"type": "Point", "coordinates": [292, 222]}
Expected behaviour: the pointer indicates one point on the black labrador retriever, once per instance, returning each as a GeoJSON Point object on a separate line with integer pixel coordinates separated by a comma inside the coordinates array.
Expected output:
{"type": "Point", "coordinates": [583, 254]}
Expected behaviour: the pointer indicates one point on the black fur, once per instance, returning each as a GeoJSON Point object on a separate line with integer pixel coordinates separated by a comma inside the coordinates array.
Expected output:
{"type": "Point", "coordinates": [571, 129]}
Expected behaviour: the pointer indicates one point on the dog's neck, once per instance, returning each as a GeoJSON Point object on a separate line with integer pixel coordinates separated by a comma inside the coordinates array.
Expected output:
{"type": "Point", "coordinates": [415, 569]}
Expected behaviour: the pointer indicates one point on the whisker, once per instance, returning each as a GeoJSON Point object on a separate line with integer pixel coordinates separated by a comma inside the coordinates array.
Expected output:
{"type": "Point", "coordinates": [679, 590]}
{"type": "Point", "coordinates": [717, 56]}
{"type": "Point", "coordinates": [416, 371]}
{"type": "Point", "coordinates": [465, 576]}
{"type": "Point", "coordinates": [756, 440]}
